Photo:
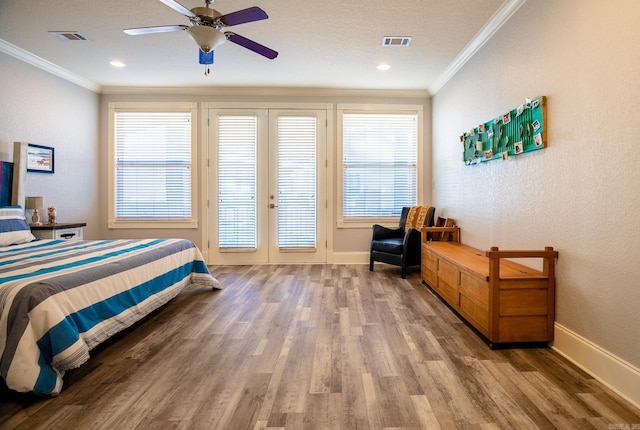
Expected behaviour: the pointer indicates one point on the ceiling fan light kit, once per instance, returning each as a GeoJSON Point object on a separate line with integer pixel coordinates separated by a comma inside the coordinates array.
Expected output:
{"type": "Point", "coordinates": [206, 26]}
{"type": "Point", "coordinates": [207, 38]}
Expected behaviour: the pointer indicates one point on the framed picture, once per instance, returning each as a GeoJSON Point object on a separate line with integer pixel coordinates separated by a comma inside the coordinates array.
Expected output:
{"type": "Point", "coordinates": [40, 158]}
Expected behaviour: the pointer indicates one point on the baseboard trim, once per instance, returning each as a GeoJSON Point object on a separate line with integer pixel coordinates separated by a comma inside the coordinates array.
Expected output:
{"type": "Point", "coordinates": [612, 371]}
{"type": "Point", "coordinates": [348, 258]}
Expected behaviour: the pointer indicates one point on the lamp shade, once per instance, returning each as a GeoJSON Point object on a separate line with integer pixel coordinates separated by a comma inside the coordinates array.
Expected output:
{"type": "Point", "coordinates": [34, 203]}
{"type": "Point", "coordinates": [207, 38]}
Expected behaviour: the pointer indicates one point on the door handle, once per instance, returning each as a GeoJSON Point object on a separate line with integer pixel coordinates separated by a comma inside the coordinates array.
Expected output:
{"type": "Point", "coordinates": [272, 205]}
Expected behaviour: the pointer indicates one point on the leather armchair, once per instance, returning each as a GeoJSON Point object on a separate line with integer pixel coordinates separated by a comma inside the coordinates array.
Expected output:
{"type": "Point", "coordinates": [401, 246]}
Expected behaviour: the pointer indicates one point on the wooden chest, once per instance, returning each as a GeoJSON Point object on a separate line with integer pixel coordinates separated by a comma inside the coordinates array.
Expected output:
{"type": "Point", "coordinates": [505, 301]}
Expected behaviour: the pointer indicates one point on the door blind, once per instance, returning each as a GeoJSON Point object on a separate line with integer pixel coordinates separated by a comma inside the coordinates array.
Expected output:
{"type": "Point", "coordinates": [237, 174]}
{"type": "Point", "coordinates": [296, 183]}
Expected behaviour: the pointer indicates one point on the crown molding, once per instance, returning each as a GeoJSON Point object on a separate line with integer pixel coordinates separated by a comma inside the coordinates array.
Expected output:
{"type": "Point", "coordinates": [47, 66]}
{"type": "Point", "coordinates": [498, 19]}
{"type": "Point", "coordinates": [267, 92]}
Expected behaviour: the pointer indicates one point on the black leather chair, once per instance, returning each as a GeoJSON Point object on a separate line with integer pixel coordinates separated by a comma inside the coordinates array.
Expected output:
{"type": "Point", "coordinates": [399, 246]}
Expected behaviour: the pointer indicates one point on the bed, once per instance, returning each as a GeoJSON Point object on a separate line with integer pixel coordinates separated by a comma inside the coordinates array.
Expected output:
{"type": "Point", "coordinates": [59, 299]}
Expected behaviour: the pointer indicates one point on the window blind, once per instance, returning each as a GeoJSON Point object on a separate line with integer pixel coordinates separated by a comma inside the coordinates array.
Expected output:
{"type": "Point", "coordinates": [237, 176]}
{"type": "Point", "coordinates": [379, 164]}
{"type": "Point", "coordinates": [153, 174]}
{"type": "Point", "coordinates": [296, 183]}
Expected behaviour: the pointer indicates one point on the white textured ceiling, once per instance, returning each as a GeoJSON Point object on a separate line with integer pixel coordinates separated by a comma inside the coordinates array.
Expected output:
{"type": "Point", "coordinates": [321, 43]}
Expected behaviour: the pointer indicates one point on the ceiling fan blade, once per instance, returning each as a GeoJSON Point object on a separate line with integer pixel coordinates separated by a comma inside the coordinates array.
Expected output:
{"type": "Point", "coordinates": [251, 45]}
{"type": "Point", "coordinates": [157, 29]}
{"type": "Point", "coordinates": [241, 16]}
{"type": "Point", "coordinates": [179, 8]}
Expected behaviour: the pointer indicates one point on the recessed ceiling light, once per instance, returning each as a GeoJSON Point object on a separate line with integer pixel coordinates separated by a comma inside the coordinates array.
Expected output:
{"type": "Point", "coordinates": [116, 63]}
{"type": "Point", "coordinates": [383, 67]}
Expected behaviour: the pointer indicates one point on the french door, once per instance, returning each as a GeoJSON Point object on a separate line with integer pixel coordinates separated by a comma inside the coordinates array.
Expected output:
{"type": "Point", "coordinates": [267, 186]}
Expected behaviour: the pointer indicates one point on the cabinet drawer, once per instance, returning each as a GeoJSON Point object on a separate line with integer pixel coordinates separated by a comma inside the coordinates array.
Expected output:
{"type": "Point", "coordinates": [523, 302]}
{"type": "Point", "coordinates": [448, 273]}
{"type": "Point", "coordinates": [449, 293]}
{"type": "Point", "coordinates": [524, 329]}
{"type": "Point", "coordinates": [476, 313]}
{"type": "Point", "coordinates": [476, 288]}
{"type": "Point", "coordinates": [429, 268]}
{"type": "Point", "coordinates": [448, 281]}
{"type": "Point", "coordinates": [429, 276]}
{"type": "Point", "coordinates": [429, 260]}
{"type": "Point", "coordinates": [68, 233]}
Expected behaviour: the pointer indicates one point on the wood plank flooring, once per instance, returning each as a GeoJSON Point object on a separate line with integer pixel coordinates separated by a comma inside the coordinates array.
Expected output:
{"type": "Point", "coordinates": [316, 347]}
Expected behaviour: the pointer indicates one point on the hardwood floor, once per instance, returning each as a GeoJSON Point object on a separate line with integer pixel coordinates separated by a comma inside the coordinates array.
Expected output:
{"type": "Point", "coordinates": [316, 347]}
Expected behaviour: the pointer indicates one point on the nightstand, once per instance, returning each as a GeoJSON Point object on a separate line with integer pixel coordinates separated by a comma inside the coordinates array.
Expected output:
{"type": "Point", "coordinates": [59, 230]}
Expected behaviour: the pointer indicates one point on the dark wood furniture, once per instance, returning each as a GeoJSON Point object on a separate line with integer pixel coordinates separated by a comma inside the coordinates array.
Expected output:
{"type": "Point", "coordinates": [505, 301]}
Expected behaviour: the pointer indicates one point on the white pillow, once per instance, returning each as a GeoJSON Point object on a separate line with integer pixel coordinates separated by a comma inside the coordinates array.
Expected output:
{"type": "Point", "coordinates": [13, 226]}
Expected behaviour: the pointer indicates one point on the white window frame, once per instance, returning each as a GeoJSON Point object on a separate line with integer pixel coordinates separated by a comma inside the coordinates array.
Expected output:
{"type": "Point", "coordinates": [409, 109]}
{"type": "Point", "coordinates": [114, 107]}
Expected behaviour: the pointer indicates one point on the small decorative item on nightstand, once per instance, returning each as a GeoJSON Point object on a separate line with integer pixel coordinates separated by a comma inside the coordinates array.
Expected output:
{"type": "Point", "coordinates": [51, 212]}
{"type": "Point", "coordinates": [34, 203]}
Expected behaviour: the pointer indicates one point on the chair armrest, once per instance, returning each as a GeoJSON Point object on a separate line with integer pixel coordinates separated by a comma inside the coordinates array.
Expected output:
{"type": "Point", "coordinates": [381, 232]}
{"type": "Point", "coordinates": [412, 239]}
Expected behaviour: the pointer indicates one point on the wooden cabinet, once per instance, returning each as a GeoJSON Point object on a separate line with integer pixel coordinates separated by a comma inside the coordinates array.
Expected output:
{"type": "Point", "coordinates": [59, 231]}
{"type": "Point", "coordinates": [505, 301]}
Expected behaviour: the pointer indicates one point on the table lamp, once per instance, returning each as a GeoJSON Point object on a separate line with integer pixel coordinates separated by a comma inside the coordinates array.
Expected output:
{"type": "Point", "coordinates": [35, 203]}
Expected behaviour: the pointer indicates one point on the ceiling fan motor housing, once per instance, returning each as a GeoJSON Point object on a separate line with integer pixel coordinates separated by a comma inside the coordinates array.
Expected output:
{"type": "Point", "coordinates": [207, 15]}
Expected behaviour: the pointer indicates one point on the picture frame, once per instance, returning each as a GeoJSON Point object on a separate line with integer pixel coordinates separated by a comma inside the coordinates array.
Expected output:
{"type": "Point", "coordinates": [40, 158]}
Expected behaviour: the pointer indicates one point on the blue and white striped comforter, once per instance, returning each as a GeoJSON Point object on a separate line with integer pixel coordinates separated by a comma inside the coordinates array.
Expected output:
{"type": "Point", "coordinates": [59, 299]}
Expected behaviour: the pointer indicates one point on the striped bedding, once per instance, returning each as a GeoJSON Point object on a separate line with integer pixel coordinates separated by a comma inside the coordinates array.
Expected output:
{"type": "Point", "coordinates": [59, 299]}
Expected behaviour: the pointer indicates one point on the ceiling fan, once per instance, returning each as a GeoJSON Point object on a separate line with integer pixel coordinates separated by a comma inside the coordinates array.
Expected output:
{"type": "Point", "coordinates": [206, 26]}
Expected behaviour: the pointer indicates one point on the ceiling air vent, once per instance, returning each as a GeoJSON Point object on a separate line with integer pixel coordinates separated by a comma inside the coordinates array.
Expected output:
{"type": "Point", "coordinates": [396, 41]}
{"type": "Point", "coordinates": [68, 35]}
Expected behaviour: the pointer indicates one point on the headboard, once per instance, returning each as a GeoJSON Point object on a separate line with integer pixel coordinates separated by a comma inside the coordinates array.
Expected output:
{"type": "Point", "coordinates": [13, 176]}
{"type": "Point", "coordinates": [19, 173]}
{"type": "Point", "coordinates": [6, 182]}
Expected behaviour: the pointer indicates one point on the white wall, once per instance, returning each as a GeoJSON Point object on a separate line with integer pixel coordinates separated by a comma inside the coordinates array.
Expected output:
{"type": "Point", "coordinates": [39, 108]}
{"type": "Point", "coordinates": [580, 195]}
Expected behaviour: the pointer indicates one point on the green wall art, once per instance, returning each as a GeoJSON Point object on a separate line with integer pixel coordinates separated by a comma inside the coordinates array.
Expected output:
{"type": "Point", "coordinates": [520, 130]}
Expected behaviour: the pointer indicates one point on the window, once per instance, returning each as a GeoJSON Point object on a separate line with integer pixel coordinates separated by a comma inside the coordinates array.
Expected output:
{"type": "Point", "coordinates": [378, 153]}
{"type": "Point", "coordinates": [151, 174]}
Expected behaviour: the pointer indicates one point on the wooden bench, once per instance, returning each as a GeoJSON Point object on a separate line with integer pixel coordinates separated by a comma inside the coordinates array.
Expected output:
{"type": "Point", "coordinates": [505, 301]}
